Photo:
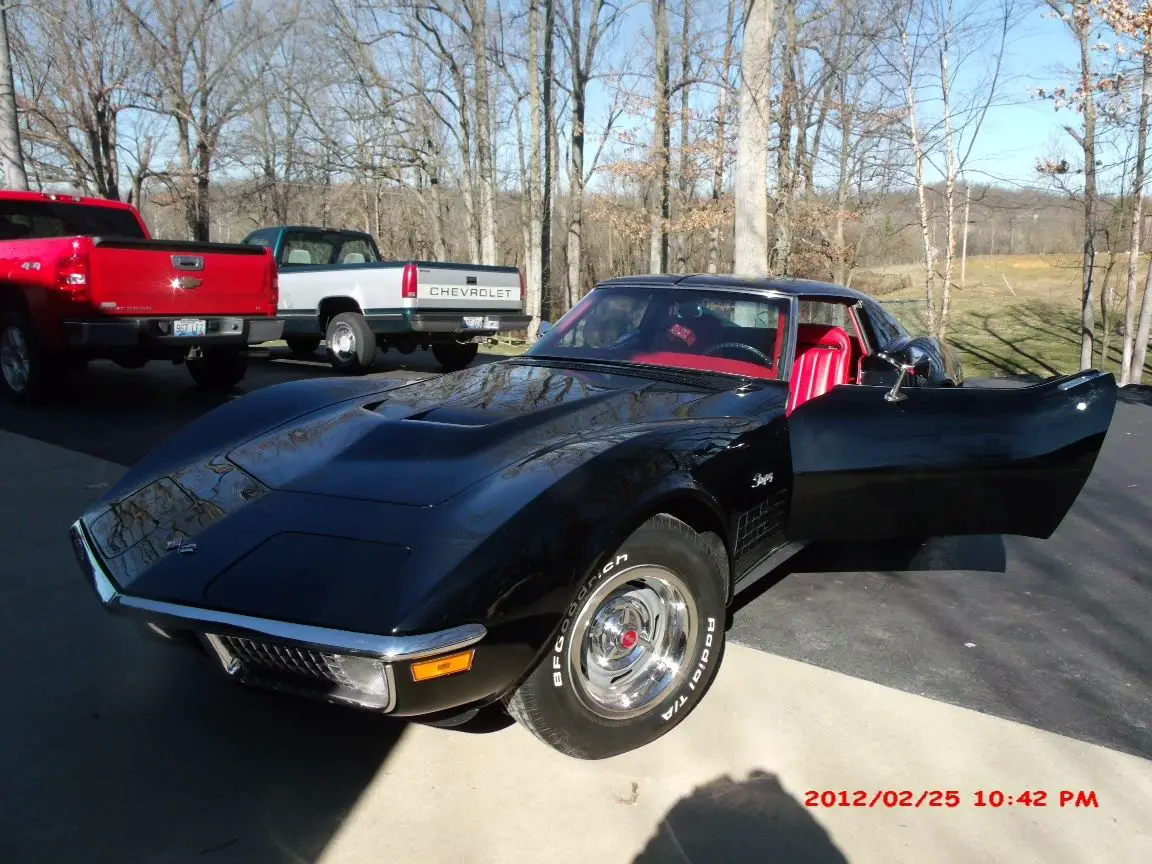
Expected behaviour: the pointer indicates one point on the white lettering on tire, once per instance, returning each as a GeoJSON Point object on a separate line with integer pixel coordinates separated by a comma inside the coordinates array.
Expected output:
{"type": "Point", "coordinates": [701, 664]}
{"type": "Point", "coordinates": [558, 647]}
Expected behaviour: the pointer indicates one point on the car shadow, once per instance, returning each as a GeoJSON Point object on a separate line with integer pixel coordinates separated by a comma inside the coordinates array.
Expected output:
{"type": "Point", "coordinates": [134, 755]}
{"type": "Point", "coordinates": [984, 553]}
{"type": "Point", "coordinates": [740, 821]}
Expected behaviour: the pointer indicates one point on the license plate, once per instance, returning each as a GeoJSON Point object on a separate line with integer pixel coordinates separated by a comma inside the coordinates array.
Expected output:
{"type": "Point", "coordinates": [478, 322]}
{"type": "Point", "coordinates": [189, 327]}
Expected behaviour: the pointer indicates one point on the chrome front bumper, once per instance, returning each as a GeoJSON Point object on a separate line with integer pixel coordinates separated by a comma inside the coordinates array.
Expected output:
{"type": "Point", "coordinates": [281, 655]}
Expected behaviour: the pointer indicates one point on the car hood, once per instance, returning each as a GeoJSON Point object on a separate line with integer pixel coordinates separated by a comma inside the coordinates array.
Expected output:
{"type": "Point", "coordinates": [427, 442]}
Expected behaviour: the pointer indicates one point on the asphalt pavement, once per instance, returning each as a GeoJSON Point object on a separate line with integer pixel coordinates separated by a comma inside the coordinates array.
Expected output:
{"type": "Point", "coordinates": [978, 663]}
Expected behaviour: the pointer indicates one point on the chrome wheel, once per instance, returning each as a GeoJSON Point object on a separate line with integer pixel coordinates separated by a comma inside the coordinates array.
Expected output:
{"type": "Point", "coordinates": [15, 359]}
{"type": "Point", "coordinates": [630, 641]}
{"type": "Point", "coordinates": [342, 341]}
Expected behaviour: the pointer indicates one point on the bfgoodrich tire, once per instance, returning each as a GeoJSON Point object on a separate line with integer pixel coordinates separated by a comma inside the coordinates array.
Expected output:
{"type": "Point", "coordinates": [351, 343]}
{"type": "Point", "coordinates": [453, 356]}
{"type": "Point", "coordinates": [219, 371]}
{"type": "Point", "coordinates": [637, 649]}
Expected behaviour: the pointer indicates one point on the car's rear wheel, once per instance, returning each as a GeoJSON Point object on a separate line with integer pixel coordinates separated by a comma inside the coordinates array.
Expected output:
{"type": "Point", "coordinates": [453, 356]}
{"type": "Point", "coordinates": [351, 343]}
{"type": "Point", "coordinates": [637, 649]}
{"type": "Point", "coordinates": [303, 345]}
{"type": "Point", "coordinates": [28, 370]}
{"type": "Point", "coordinates": [219, 371]}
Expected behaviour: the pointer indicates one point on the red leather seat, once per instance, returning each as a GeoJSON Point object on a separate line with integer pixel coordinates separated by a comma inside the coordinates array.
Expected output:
{"type": "Point", "coordinates": [823, 360]}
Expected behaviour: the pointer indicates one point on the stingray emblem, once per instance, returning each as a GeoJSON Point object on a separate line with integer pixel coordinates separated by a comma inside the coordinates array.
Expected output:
{"type": "Point", "coordinates": [179, 544]}
{"type": "Point", "coordinates": [761, 480]}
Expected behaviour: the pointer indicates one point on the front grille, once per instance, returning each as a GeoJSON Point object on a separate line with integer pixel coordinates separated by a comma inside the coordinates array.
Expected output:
{"type": "Point", "coordinates": [284, 658]}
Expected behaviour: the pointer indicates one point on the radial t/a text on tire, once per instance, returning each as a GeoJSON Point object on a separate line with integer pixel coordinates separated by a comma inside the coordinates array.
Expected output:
{"type": "Point", "coordinates": [638, 646]}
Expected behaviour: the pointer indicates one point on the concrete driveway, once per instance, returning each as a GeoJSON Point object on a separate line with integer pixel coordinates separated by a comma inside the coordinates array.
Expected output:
{"type": "Point", "coordinates": [113, 748]}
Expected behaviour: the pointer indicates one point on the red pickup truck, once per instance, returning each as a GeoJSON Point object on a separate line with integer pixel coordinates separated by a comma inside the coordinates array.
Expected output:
{"type": "Point", "coordinates": [81, 279]}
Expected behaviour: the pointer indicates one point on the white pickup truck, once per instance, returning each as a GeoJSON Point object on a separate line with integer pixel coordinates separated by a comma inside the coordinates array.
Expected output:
{"type": "Point", "coordinates": [333, 286]}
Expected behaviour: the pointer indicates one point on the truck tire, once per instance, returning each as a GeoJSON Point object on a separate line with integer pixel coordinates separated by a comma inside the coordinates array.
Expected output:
{"type": "Point", "coordinates": [454, 356]}
{"type": "Point", "coordinates": [351, 343]}
{"type": "Point", "coordinates": [638, 647]}
{"type": "Point", "coordinates": [303, 345]}
{"type": "Point", "coordinates": [29, 370]}
{"type": "Point", "coordinates": [219, 371]}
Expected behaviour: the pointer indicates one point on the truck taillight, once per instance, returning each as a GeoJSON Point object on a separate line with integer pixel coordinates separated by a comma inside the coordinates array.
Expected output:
{"type": "Point", "coordinates": [408, 282]}
{"type": "Point", "coordinates": [72, 273]}
{"type": "Point", "coordinates": [274, 291]}
{"type": "Point", "coordinates": [523, 290]}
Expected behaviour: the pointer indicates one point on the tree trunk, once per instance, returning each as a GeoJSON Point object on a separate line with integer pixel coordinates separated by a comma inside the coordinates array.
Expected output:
{"type": "Point", "coordinates": [11, 149]}
{"type": "Point", "coordinates": [536, 216]}
{"type": "Point", "coordinates": [484, 154]}
{"type": "Point", "coordinates": [1140, 348]}
{"type": "Point", "coordinates": [549, 146]}
{"type": "Point", "coordinates": [685, 126]}
{"type": "Point", "coordinates": [844, 184]}
{"type": "Point", "coordinates": [719, 152]}
{"type": "Point", "coordinates": [921, 191]}
{"type": "Point", "coordinates": [1082, 26]}
{"type": "Point", "coordinates": [661, 141]}
{"type": "Point", "coordinates": [785, 168]}
{"type": "Point", "coordinates": [950, 178]}
{"type": "Point", "coordinates": [751, 234]}
{"type": "Point", "coordinates": [1137, 224]}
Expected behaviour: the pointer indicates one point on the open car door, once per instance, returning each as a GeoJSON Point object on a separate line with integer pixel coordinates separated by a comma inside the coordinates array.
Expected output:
{"type": "Point", "coordinates": [945, 460]}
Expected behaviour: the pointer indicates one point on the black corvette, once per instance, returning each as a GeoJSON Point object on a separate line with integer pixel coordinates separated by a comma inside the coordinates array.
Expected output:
{"type": "Point", "coordinates": [561, 533]}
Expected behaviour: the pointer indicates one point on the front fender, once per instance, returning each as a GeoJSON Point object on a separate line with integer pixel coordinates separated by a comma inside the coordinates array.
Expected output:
{"type": "Point", "coordinates": [536, 531]}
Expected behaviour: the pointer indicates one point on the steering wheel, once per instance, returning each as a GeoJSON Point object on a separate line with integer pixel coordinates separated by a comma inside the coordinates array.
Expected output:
{"type": "Point", "coordinates": [759, 354]}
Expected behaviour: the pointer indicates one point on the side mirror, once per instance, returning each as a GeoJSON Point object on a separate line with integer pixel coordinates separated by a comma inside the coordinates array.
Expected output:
{"type": "Point", "coordinates": [544, 328]}
{"type": "Point", "coordinates": [919, 368]}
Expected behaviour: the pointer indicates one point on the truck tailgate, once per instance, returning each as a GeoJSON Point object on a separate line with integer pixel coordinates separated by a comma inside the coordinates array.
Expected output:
{"type": "Point", "coordinates": [468, 288]}
{"type": "Point", "coordinates": [159, 277]}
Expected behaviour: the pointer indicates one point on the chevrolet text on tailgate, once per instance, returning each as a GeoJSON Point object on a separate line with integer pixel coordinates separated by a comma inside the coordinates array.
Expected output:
{"type": "Point", "coordinates": [81, 279]}
{"type": "Point", "coordinates": [335, 287]}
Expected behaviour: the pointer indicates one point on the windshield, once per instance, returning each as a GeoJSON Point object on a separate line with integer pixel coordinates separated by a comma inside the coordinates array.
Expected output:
{"type": "Point", "coordinates": [704, 330]}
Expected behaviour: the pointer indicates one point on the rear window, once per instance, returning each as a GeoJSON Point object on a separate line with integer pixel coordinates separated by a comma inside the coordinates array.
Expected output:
{"type": "Point", "coordinates": [23, 220]}
{"type": "Point", "coordinates": [304, 249]}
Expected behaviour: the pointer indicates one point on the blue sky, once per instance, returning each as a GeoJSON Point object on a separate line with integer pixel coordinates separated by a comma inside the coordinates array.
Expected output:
{"type": "Point", "coordinates": [1017, 132]}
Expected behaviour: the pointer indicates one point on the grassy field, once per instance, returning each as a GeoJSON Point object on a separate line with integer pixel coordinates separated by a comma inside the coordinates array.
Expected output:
{"type": "Point", "coordinates": [1016, 314]}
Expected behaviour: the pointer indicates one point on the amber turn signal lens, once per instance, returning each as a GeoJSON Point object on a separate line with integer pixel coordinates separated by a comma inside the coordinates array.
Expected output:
{"type": "Point", "coordinates": [441, 666]}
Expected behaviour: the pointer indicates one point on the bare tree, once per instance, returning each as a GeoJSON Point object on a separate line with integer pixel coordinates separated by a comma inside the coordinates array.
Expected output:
{"type": "Point", "coordinates": [582, 55]}
{"type": "Point", "coordinates": [194, 49]}
{"type": "Point", "coordinates": [1077, 15]}
{"type": "Point", "coordinates": [751, 239]}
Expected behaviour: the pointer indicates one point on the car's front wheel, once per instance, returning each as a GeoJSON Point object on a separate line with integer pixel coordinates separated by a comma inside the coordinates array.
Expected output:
{"type": "Point", "coordinates": [638, 646]}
